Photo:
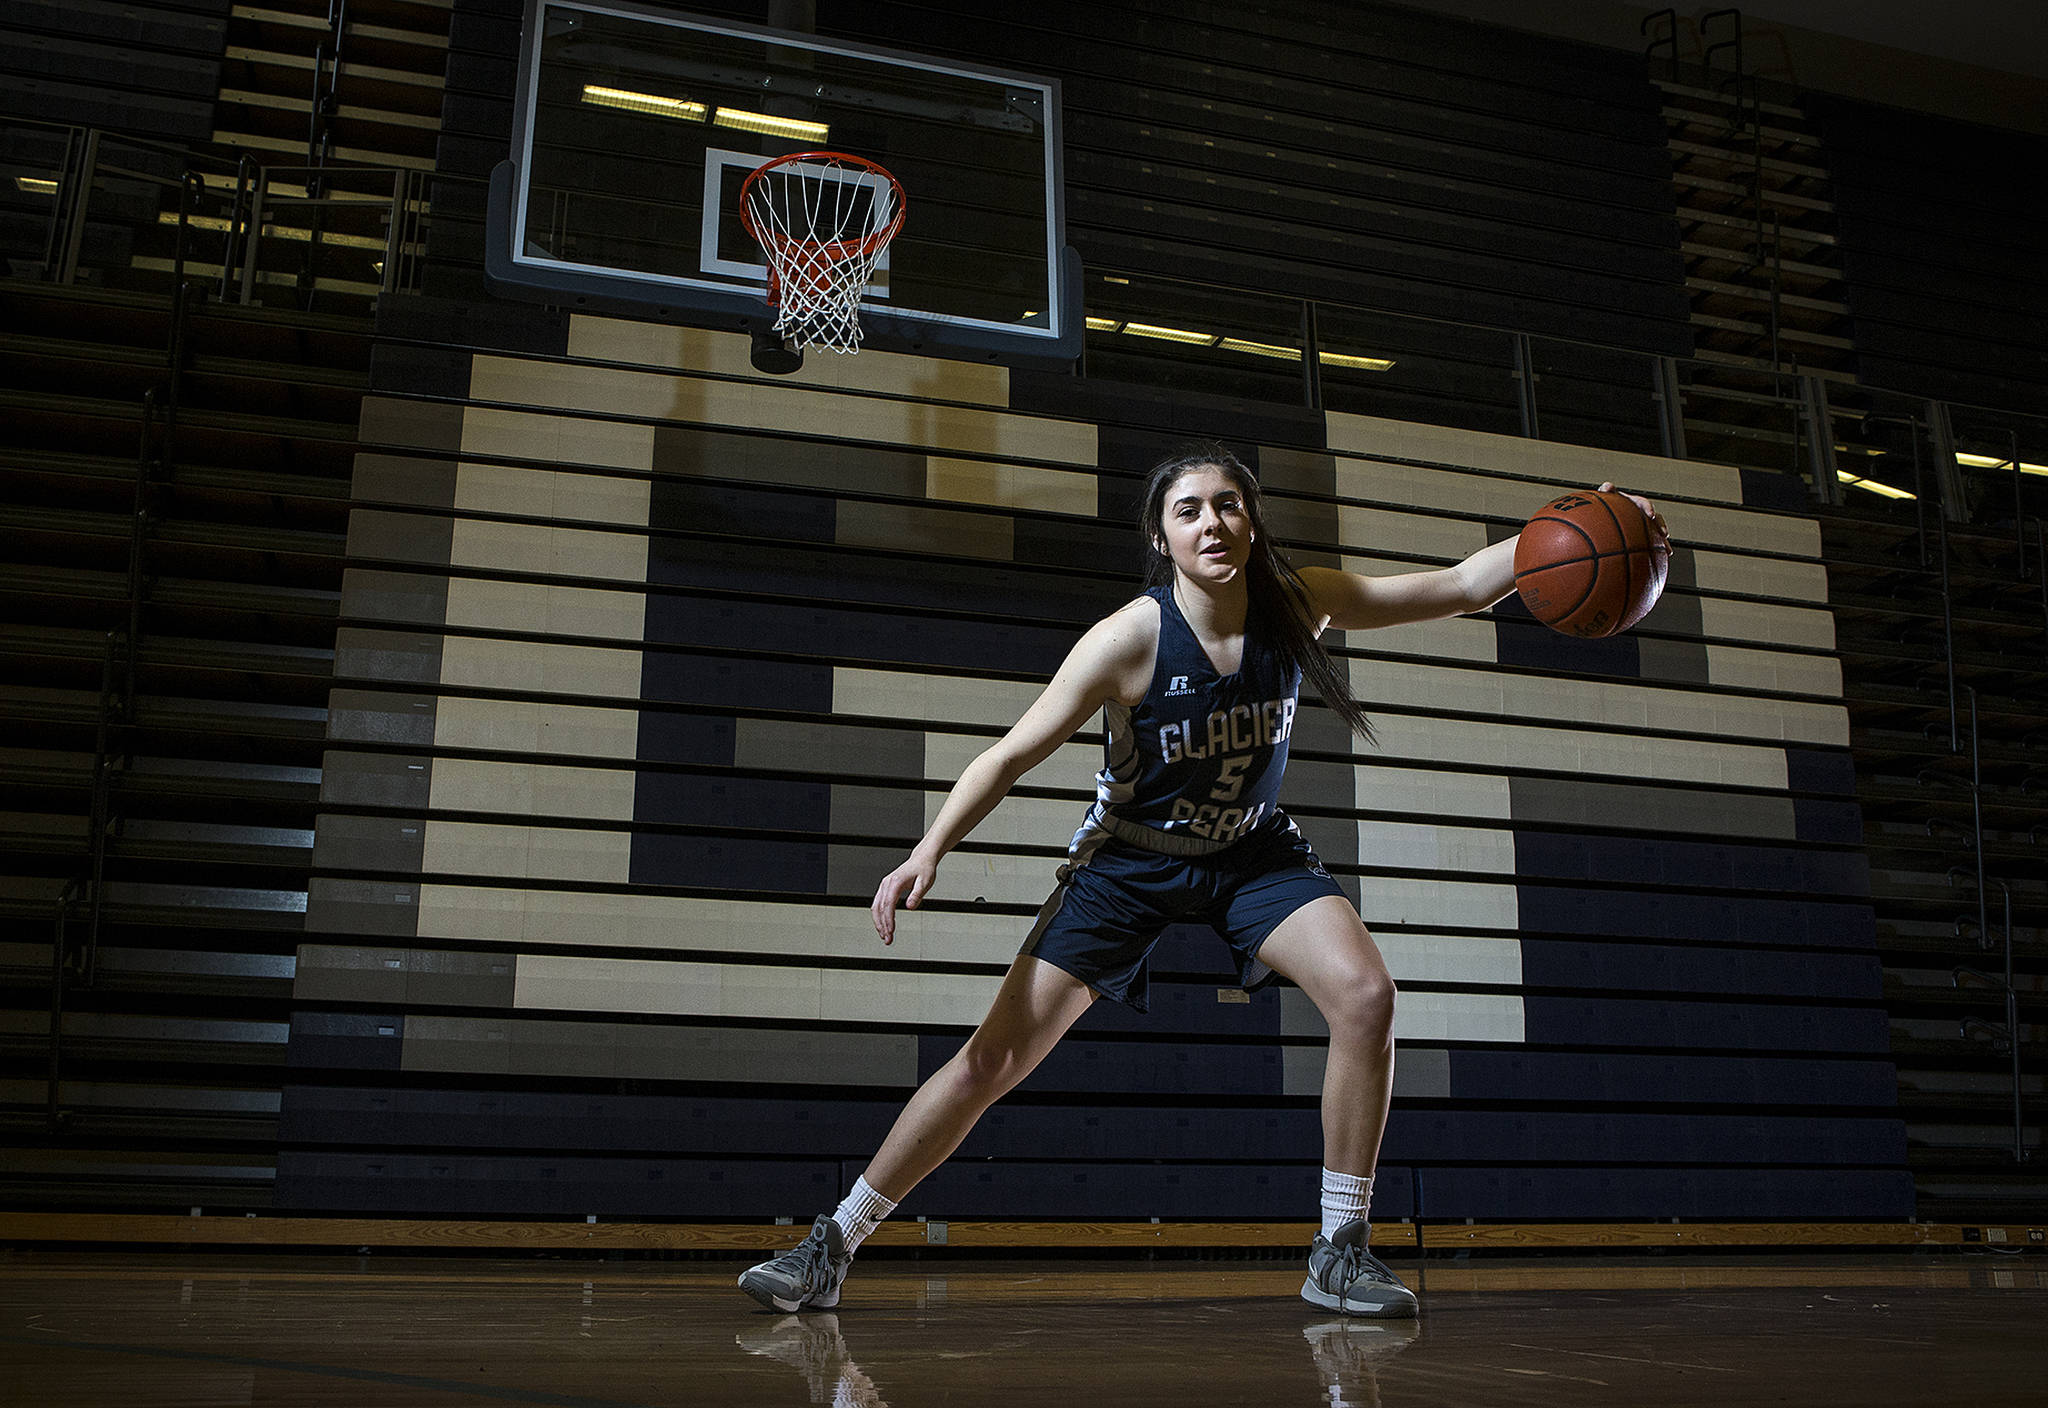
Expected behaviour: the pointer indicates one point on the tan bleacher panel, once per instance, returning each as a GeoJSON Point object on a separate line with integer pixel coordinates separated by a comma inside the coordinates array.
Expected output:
{"type": "Point", "coordinates": [892, 994]}
{"type": "Point", "coordinates": [659, 346]}
{"type": "Point", "coordinates": [1012, 486]}
{"type": "Point", "coordinates": [1510, 746]}
{"type": "Point", "coordinates": [917, 528]}
{"type": "Point", "coordinates": [840, 930]}
{"type": "Point", "coordinates": [501, 433]}
{"type": "Point", "coordinates": [594, 391]}
{"type": "Point", "coordinates": [592, 613]}
{"type": "Point", "coordinates": [556, 495]}
{"type": "Point", "coordinates": [529, 726]}
{"type": "Point", "coordinates": [1568, 466]}
{"type": "Point", "coordinates": [553, 1049]}
{"type": "Point", "coordinates": [1424, 845]}
{"type": "Point", "coordinates": [532, 789]}
{"type": "Point", "coordinates": [1617, 704]}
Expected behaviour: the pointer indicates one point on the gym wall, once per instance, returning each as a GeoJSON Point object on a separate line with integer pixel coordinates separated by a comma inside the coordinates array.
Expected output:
{"type": "Point", "coordinates": [649, 668]}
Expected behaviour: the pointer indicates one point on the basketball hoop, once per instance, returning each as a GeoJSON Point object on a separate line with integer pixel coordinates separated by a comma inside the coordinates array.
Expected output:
{"type": "Point", "coordinates": [823, 219]}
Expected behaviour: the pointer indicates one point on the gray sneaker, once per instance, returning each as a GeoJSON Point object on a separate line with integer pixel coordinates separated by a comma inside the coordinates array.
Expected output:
{"type": "Point", "coordinates": [1343, 1274]}
{"type": "Point", "coordinates": [807, 1276]}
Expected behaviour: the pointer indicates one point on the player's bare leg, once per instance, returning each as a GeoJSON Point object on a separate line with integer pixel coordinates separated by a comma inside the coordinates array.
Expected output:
{"type": "Point", "coordinates": [1323, 948]}
{"type": "Point", "coordinates": [1031, 1012]}
{"type": "Point", "coordinates": [1326, 951]}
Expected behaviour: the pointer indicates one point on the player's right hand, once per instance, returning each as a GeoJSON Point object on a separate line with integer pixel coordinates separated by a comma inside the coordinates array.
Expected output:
{"type": "Point", "coordinates": [906, 885]}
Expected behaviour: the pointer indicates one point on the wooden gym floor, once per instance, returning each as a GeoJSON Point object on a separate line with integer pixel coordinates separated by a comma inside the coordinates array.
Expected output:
{"type": "Point", "coordinates": [143, 1329]}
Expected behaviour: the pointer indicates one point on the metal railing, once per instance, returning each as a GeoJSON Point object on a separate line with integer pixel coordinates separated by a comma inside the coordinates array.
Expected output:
{"type": "Point", "coordinates": [314, 233]}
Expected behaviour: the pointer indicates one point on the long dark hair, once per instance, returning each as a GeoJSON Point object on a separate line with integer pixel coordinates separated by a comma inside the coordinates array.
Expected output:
{"type": "Point", "coordinates": [1277, 604]}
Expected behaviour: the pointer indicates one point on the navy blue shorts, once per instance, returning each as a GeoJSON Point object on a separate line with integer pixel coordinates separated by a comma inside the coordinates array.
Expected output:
{"type": "Point", "coordinates": [1101, 923]}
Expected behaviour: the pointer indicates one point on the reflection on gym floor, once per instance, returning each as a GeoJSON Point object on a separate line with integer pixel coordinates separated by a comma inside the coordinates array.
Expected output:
{"type": "Point", "coordinates": [94, 1330]}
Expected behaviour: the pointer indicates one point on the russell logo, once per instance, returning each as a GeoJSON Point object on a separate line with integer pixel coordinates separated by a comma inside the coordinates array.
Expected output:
{"type": "Point", "coordinates": [1178, 685]}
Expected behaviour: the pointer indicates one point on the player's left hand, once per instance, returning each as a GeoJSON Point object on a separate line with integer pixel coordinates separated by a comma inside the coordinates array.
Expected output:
{"type": "Point", "coordinates": [1649, 509]}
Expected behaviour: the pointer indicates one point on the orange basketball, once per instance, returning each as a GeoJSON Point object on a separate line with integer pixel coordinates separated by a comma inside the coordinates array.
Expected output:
{"type": "Point", "coordinates": [1590, 564]}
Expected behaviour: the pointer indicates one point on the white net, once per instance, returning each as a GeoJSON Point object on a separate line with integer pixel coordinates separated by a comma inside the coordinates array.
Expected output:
{"type": "Point", "coordinates": [823, 220]}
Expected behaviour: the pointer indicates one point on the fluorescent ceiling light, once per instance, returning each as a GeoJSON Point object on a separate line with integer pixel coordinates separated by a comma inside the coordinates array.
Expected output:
{"type": "Point", "coordinates": [740, 120]}
{"type": "Point", "coordinates": [1872, 485]}
{"type": "Point", "coordinates": [1103, 324]}
{"type": "Point", "coordinates": [1988, 462]}
{"type": "Point", "coordinates": [35, 185]}
{"type": "Point", "coordinates": [1200, 339]}
{"type": "Point", "coordinates": [1260, 349]}
{"type": "Point", "coordinates": [1114, 279]}
{"type": "Point", "coordinates": [653, 104]}
{"type": "Point", "coordinates": [1363, 364]}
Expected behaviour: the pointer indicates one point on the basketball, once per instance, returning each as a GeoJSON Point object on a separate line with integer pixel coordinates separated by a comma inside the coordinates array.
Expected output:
{"type": "Point", "coordinates": [1590, 564]}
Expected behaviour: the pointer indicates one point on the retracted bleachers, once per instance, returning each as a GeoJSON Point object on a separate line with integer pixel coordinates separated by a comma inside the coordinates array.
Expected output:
{"type": "Point", "coordinates": [146, 66]}
{"type": "Point", "coordinates": [159, 1087]}
{"type": "Point", "coordinates": [650, 667]}
{"type": "Point", "coordinates": [1940, 240]}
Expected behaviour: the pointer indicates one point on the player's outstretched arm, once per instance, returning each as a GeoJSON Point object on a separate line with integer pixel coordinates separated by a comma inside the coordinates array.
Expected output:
{"type": "Point", "coordinates": [1352, 601]}
{"type": "Point", "coordinates": [1111, 660]}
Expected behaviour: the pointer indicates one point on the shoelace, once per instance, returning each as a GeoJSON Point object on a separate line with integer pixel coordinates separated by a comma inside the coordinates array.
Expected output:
{"type": "Point", "coordinates": [805, 1256]}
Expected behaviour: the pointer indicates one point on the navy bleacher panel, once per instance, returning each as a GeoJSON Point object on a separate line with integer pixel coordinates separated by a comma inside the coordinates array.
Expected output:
{"type": "Point", "coordinates": [1107, 547]}
{"type": "Point", "coordinates": [1191, 1009]}
{"type": "Point", "coordinates": [1620, 967]}
{"type": "Point", "coordinates": [1655, 860]}
{"type": "Point", "coordinates": [1617, 1193]}
{"type": "Point", "coordinates": [1649, 1023]}
{"type": "Point", "coordinates": [474, 116]}
{"type": "Point", "coordinates": [346, 1040]}
{"type": "Point", "coordinates": [750, 1127]}
{"type": "Point", "coordinates": [1621, 1077]}
{"type": "Point", "coordinates": [689, 799]}
{"type": "Point", "coordinates": [420, 371]}
{"type": "Point", "coordinates": [857, 575]}
{"type": "Point", "coordinates": [739, 863]}
{"type": "Point", "coordinates": [1820, 770]}
{"type": "Point", "coordinates": [1135, 1067]}
{"type": "Point", "coordinates": [682, 677]}
{"type": "Point", "coordinates": [1017, 1129]}
{"type": "Point", "coordinates": [699, 506]}
{"type": "Point", "coordinates": [539, 1186]}
{"type": "Point", "coordinates": [846, 634]}
{"type": "Point", "coordinates": [1172, 417]}
{"type": "Point", "coordinates": [1715, 918]}
{"type": "Point", "coordinates": [1206, 1191]}
{"type": "Point", "coordinates": [1630, 1137]}
{"type": "Point", "coordinates": [1837, 822]}
{"type": "Point", "coordinates": [1771, 488]}
{"type": "Point", "coordinates": [669, 737]}
{"type": "Point", "coordinates": [483, 325]}
{"type": "Point", "coordinates": [1521, 641]}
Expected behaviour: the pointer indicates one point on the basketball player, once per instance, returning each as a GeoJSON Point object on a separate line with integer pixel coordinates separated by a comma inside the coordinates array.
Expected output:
{"type": "Point", "coordinates": [1197, 681]}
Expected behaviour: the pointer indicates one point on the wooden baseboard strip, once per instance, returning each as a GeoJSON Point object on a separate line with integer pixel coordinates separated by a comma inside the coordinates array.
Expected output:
{"type": "Point", "coordinates": [265, 1230]}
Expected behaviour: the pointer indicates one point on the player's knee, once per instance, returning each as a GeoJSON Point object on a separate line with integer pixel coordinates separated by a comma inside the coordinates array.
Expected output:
{"type": "Point", "coordinates": [1364, 1008]}
{"type": "Point", "coordinates": [989, 1069]}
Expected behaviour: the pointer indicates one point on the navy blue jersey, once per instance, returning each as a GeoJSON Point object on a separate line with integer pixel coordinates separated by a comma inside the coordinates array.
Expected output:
{"type": "Point", "coordinates": [1196, 765]}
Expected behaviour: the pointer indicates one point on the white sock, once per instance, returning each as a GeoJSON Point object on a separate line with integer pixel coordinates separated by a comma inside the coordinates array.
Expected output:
{"type": "Point", "coordinates": [861, 1213]}
{"type": "Point", "coordinates": [1346, 1197]}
